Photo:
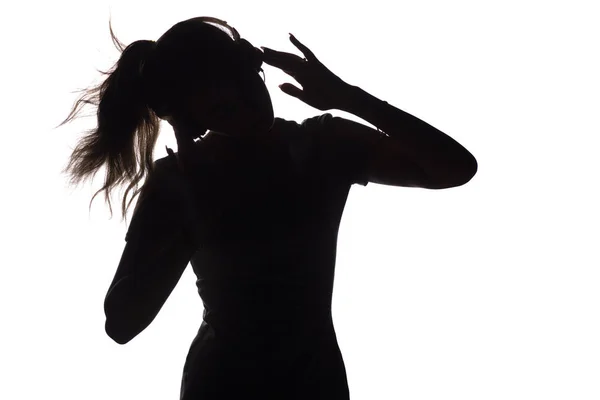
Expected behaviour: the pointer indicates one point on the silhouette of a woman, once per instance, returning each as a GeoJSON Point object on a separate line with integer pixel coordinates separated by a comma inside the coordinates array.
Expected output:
{"type": "Point", "coordinates": [255, 205]}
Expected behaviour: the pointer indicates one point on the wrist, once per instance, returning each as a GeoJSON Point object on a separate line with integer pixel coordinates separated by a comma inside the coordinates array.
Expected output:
{"type": "Point", "coordinates": [360, 103]}
{"type": "Point", "coordinates": [353, 100]}
{"type": "Point", "coordinates": [345, 102]}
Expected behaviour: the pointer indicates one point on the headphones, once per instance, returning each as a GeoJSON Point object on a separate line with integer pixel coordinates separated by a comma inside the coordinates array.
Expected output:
{"type": "Point", "coordinates": [245, 56]}
{"type": "Point", "coordinates": [249, 55]}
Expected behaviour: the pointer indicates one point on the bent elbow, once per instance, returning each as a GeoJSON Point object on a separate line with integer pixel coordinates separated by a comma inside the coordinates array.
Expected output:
{"type": "Point", "coordinates": [471, 169]}
{"type": "Point", "coordinates": [118, 312]}
{"type": "Point", "coordinates": [117, 335]}
{"type": "Point", "coordinates": [126, 320]}
{"type": "Point", "coordinates": [459, 176]}
{"type": "Point", "coordinates": [468, 171]}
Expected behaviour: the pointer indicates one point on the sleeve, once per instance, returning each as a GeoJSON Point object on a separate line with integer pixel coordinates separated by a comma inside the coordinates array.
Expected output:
{"type": "Point", "coordinates": [155, 256]}
{"type": "Point", "coordinates": [157, 209]}
{"type": "Point", "coordinates": [344, 157]}
{"type": "Point", "coordinates": [154, 232]}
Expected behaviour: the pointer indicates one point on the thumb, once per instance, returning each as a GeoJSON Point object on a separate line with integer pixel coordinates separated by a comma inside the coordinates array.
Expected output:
{"type": "Point", "coordinates": [291, 90]}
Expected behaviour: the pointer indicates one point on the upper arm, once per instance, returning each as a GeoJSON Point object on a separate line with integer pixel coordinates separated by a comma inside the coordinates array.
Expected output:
{"type": "Point", "coordinates": [367, 155]}
{"type": "Point", "coordinates": [156, 253]}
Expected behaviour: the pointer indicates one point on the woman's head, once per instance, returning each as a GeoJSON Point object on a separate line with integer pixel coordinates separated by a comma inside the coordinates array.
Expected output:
{"type": "Point", "coordinates": [196, 75]}
{"type": "Point", "coordinates": [199, 73]}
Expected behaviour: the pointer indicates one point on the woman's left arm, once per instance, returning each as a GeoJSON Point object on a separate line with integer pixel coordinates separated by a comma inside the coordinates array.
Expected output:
{"type": "Point", "coordinates": [408, 144]}
{"type": "Point", "coordinates": [411, 153]}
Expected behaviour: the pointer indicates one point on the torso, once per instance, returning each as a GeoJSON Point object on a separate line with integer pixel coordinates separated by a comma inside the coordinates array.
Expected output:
{"type": "Point", "coordinates": [265, 266]}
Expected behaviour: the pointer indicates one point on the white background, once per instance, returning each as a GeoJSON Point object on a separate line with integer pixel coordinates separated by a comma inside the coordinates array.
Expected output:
{"type": "Point", "coordinates": [485, 291]}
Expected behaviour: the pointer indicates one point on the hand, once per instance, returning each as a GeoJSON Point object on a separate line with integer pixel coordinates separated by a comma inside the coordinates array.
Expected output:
{"type": "Point", "coordinates": [322, 89]}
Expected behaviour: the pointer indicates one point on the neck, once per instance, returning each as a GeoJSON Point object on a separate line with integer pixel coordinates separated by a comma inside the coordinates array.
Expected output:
{"type": "Point", "coordinates": [246, 137]}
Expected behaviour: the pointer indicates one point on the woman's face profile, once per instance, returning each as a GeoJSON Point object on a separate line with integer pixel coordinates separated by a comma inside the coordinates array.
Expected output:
{"type": "Point", "coordinates": [237, 105]}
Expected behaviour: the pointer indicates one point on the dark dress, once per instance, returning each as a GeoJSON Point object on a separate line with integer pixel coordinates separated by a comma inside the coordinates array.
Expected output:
{"type": "Point", "coordinates": [266, 227]}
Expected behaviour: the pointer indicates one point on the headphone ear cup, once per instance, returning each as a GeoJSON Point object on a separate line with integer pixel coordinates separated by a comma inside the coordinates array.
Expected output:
{"type": "Point", "coordinates": [251, 55]}
{"type": "Point", "coordinates": [257, 60]}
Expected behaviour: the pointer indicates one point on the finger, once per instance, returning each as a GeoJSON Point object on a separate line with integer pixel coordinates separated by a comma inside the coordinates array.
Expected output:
{"type": "Point", "coordinates": [275, 62]}
{"type": "Point", "coordinates": [291, 90]}
{"type": "Point", "coordinates": [276, 54]}
{"type": "Point", "coordinates": [305, 50]}
{"type": "Point", "coordinates": [272, 63]}
{"type": "Point", "coordinates": [288, 68]}
{"type": "Point", "coordinates": [282, 57]}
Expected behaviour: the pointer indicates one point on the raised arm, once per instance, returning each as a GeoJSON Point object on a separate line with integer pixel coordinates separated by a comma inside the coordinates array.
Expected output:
{"type": "Point", "coordinates": [409, 152]}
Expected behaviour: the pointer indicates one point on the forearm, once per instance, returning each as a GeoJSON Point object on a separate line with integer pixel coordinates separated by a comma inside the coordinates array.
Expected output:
{"type": "Point", "coordinates": [124, 310]}
{"type": "Point", "coordinates": [433, 150]}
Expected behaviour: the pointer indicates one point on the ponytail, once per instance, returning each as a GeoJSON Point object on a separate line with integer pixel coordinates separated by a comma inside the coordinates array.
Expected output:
{"type": "Point", "coordinates": [150, 81]}
{"type": "Point", "coordinates": [126, 125]}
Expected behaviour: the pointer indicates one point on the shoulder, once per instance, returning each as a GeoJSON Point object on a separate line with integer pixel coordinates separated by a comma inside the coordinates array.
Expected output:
{"type": "Point", "coordinates": [308, 124]}
{"type": "Point", "coordinates": [305, 133]}
{"type": "Point", "coordinates": [162, 185]}
{"type": "Point", "coordinates": [317, 122]}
